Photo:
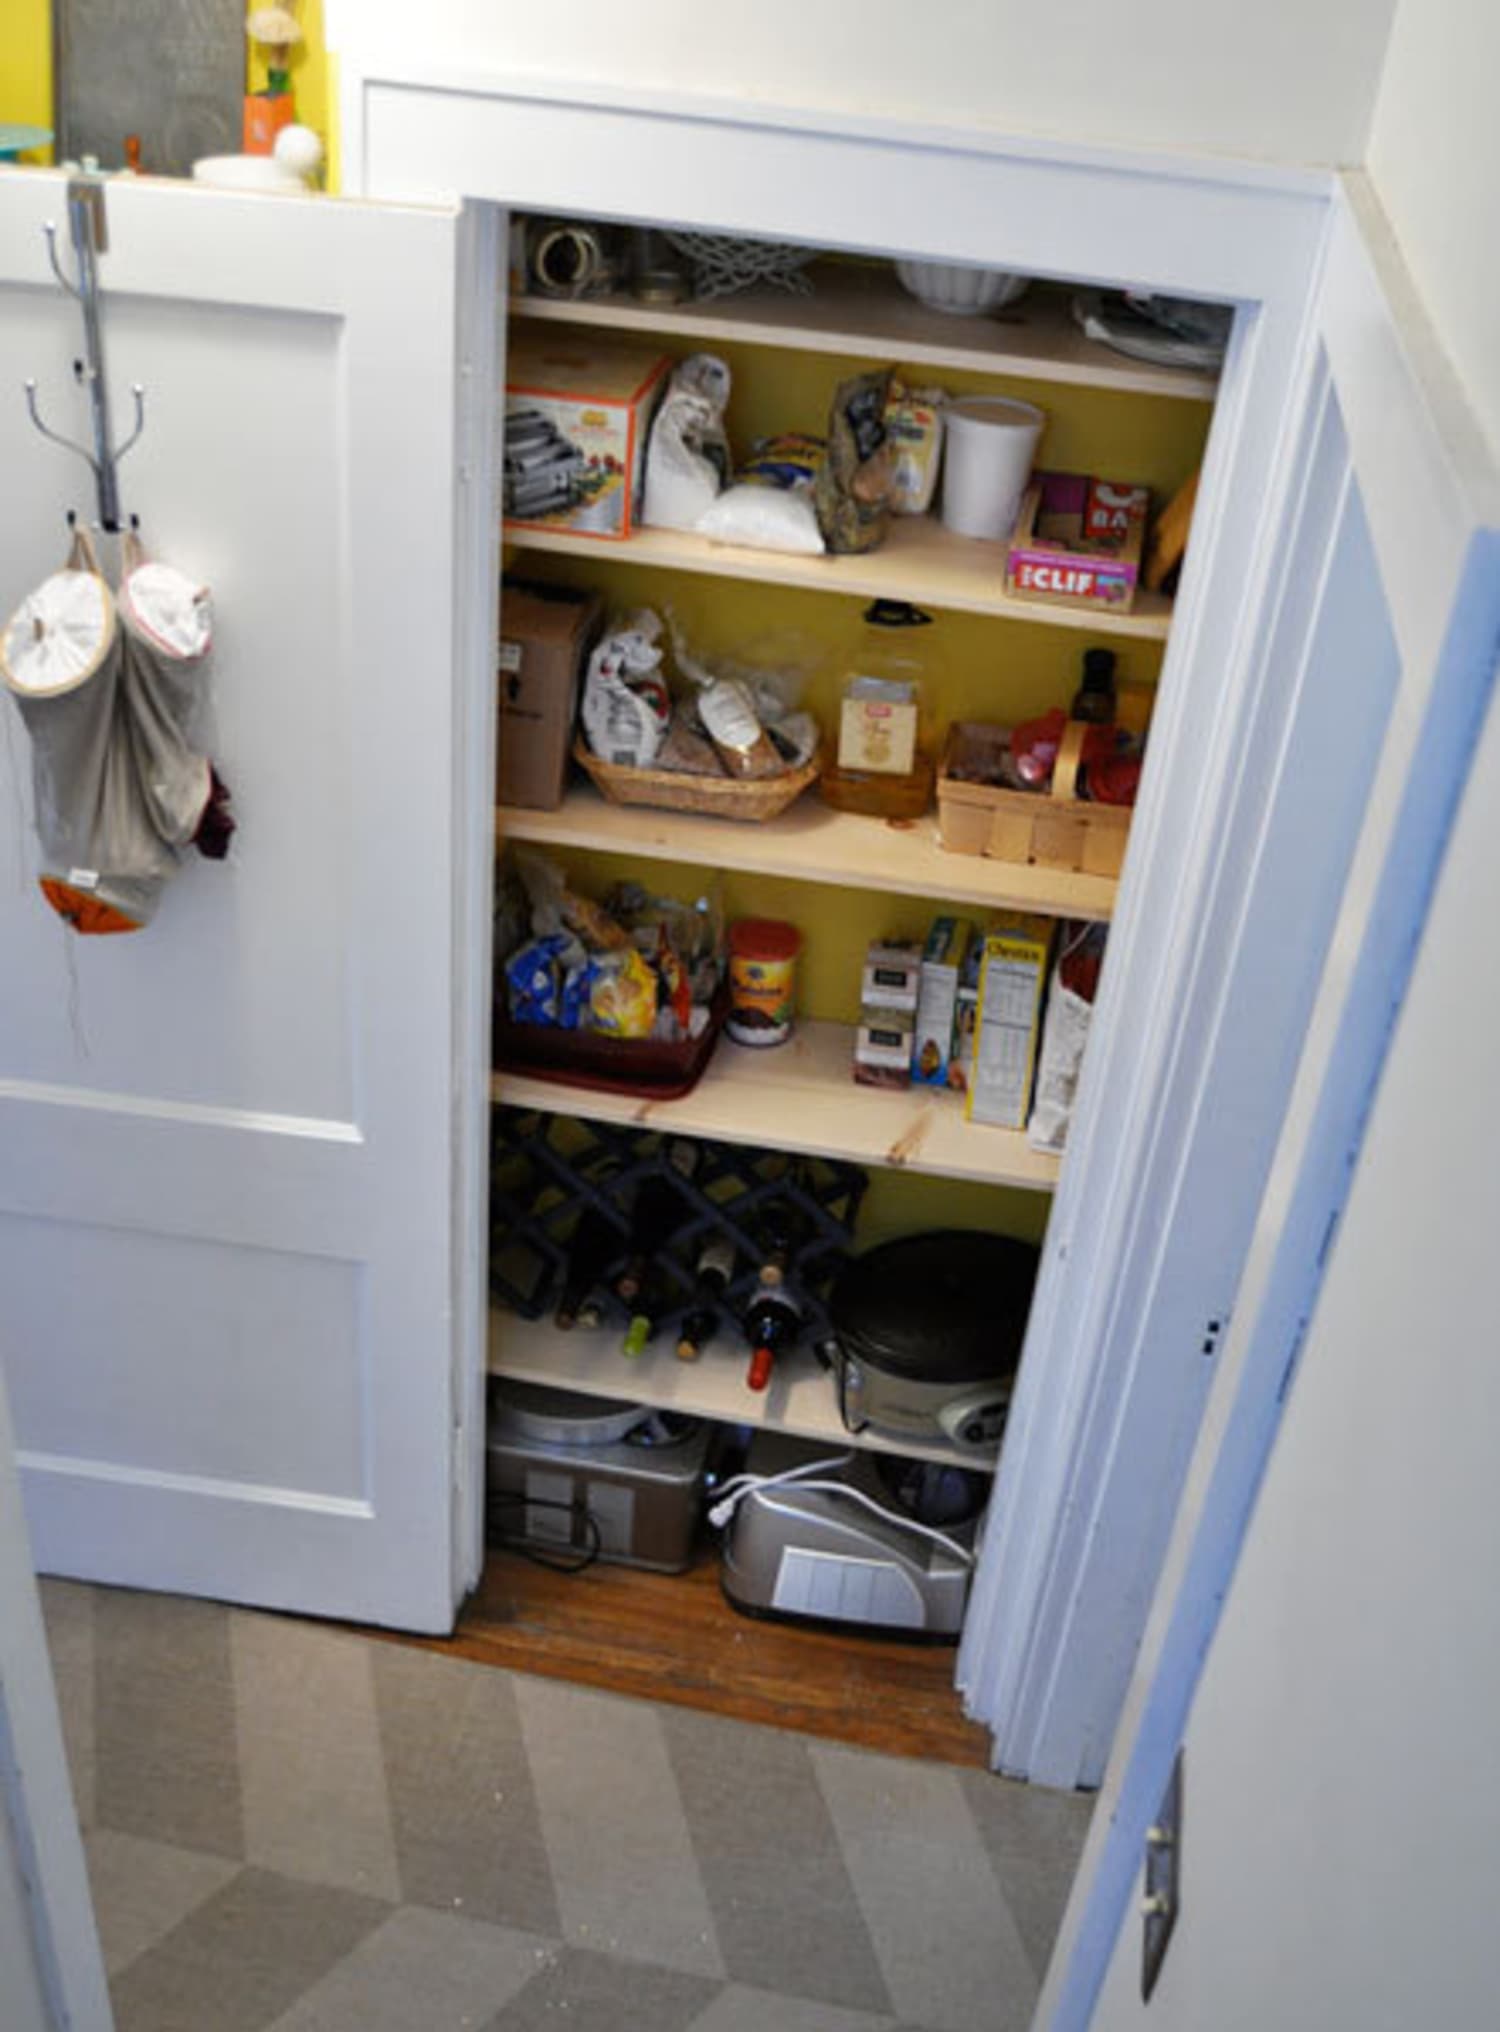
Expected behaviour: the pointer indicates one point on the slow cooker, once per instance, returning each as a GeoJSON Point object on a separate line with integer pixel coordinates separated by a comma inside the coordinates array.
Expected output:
{"type": "Point", "coordinates": [927, 1332]}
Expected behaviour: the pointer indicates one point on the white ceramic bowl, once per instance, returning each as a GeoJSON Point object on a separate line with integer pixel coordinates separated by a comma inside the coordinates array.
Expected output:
{"type": "Point", "coordinates": [962, 291]}
{"type": "Point", "coordinates": [247, 172]}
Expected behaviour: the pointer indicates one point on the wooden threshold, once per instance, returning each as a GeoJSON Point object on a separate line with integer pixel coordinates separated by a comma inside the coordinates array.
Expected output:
{"type": "Point", "coordinates": [674, 1638]}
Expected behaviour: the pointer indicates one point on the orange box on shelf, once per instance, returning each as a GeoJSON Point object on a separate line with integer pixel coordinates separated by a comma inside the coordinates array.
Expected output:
{"type": "Point", "coordinates": [577, 416]}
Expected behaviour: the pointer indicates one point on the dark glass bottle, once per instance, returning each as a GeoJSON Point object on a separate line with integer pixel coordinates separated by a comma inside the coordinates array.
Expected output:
{"type": "Point", "coordinates": [594, 1242]}
{"type": "Point", "coordinates": [772, 1323]}
{"type": "Point", "coordinates": [1094, 701]}
{"type": "Point", "coordinates": [659, 1211]}
{"type": "Point", "coordinates": [714, 1269]}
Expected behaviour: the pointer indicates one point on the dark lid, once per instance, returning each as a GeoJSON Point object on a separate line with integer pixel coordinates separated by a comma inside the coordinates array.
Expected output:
{"type": "Point", "coordinates": [945, 1307]}
{"type": "Point", "coordinates": [896, 614]}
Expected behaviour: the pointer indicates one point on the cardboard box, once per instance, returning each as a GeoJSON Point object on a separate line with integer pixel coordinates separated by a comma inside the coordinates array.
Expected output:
{"type": "Point", "coordinates": [1012, 975]}
{"type": "Point", "coordinates": [577, 416]}
{"type": "Point", "coordinates": [1078, 540]}
{"type": "Point", "coordinates": [933, 1060]}
{"type": "Point", "coordinates": [892, 978]}
{"type": "Point", "coordinates": [882, 1047]}
{"type": "Point", "coordinates": [546, 633]}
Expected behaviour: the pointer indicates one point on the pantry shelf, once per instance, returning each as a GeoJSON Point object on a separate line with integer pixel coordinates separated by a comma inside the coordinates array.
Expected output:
{"type": "Point", "coordinates": [865, 312]}
{"type": "Point", "coordinates": [920, 560]}
{"type": "Point", "coordinates": [800, 1398]}
{"type": "Point", "coordinates": [811, 843]}
{"type": "Point", "coordinates": [801, 1096]}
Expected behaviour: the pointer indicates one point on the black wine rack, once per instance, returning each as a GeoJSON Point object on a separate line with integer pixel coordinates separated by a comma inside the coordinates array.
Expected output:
{"type": "Point", "coordinates": [545, 1169]}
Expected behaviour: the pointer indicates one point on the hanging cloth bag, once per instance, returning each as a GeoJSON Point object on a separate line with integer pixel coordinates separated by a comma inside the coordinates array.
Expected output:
{"type": "Point", "coordinates": [167, 623]}
{"type": "Point", "coordinates": [62, 658]}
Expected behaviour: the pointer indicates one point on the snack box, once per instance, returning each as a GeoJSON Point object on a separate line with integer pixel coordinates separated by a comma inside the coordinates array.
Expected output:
{"type": "Point", "coordinates": [545, 636]}
{"type": "Point", "coordinates": [1078, 540]}
{"type": "Point", "coordinates": [934, 1062]}
{"type": "Point", "coordinates": [882, 1047]}
{"type": "Point", "coordinates": [577, 417]}
{"type": "Point", "coordinates": [892, 978]}
{"type": "Point", "coordinates": [1012, 976]}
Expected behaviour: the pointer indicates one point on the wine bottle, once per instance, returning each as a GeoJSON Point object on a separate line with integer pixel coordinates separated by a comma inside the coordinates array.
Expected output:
{"type": "Point", "coordinates": [715, 1267]}
{"type": "Point", "coordinates": [1094, 701]}
{"type": "Point", "coordinates": [594, 1242]}
{"type": "Point", "coordinates": [658, 1211]}
{"type": "Point", "coordinates": [772, 1323]}
{"type": "Point", "coordinates": [780, 1231]}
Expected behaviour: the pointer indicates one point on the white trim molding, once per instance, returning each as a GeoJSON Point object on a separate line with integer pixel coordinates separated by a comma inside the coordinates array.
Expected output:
{"type": "Point", "coordinates": [1430, 493]}
{"type": "Point", "coordinates": [1123, 1295]}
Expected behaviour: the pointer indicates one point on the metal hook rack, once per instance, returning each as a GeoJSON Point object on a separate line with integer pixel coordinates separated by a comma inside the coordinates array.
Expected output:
{"type": "Point", "coordinates": [89, 233]}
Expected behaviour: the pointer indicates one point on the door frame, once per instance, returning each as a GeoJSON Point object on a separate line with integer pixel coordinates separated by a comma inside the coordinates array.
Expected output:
{"type": "Point", "coordinates": [1243, 233]}
{"type": "Point", "coordinates": [1431, 495]}
{"type": "Point", "coordinates": [36, 1793]}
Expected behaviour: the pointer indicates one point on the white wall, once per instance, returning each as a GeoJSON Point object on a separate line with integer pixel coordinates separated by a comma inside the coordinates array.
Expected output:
{"type": "Point", "coordinates": [1434, 157]}
{"type": "Point", "coordinates": [1281, 80]}
{"type": "Point", "coordinates": [1342, 1760]}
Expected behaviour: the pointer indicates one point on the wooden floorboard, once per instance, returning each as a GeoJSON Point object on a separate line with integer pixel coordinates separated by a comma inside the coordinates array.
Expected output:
{"type": "Point", "coordinates": [674, 1637]}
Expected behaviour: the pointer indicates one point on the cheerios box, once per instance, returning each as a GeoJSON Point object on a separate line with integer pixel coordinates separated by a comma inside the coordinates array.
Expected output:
{"type": "Point", "coordinates": [1012, 975]}
{"type": "Point", "coordinates": [577, 417]}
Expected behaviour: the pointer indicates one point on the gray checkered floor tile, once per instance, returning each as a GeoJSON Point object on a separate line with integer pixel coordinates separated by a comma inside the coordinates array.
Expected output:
{"type": "Point", "coordinates": [294, 1829]}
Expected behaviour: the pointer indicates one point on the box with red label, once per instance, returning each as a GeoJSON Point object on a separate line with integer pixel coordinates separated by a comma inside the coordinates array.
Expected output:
{"type": "Point", "coordinates": [1078, 540]}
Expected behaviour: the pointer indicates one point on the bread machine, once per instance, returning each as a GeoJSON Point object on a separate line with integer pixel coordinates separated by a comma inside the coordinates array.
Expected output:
{"type": "Point", "coordinates": [867, 1539]}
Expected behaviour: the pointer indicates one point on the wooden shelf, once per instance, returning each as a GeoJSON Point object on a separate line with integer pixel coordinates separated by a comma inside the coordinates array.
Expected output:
{"type": "Point", "coordinates": [920, 560]}
{"type": "Point", "coordinates": [800, 1398]}
{"type": "Point", "coordinates": [865, 311]}
{"type": "Point", "coordinates": [811, 843]}
{"type": "Point", "coordinates": [801, 1096]}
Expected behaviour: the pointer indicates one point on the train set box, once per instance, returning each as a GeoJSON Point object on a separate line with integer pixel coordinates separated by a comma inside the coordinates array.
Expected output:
{"type": "Point", "coordinates": [577, 416]}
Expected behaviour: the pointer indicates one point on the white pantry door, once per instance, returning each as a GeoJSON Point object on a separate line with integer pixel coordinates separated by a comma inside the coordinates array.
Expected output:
{"type": "Point", "coordinates": [227, 1142]}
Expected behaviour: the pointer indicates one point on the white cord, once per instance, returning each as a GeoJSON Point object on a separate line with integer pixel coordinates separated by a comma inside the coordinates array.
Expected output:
{"type": "Point", "coordinates": [738, 1487]}
{"type": "Point", "coordinates": [741, 1485]}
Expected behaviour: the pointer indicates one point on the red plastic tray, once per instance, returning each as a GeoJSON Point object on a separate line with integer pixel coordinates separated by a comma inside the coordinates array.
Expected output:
{"type": "Point", "coordinates": [639, 1067]}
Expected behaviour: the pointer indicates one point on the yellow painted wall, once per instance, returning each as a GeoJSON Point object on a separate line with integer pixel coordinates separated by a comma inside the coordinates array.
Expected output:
{"type": "Point", "coordinates": [26, 72]}
{"type": "Point", "coordinates": [26, 67]}
{"type": "Point", "coordinates": [992, 669]}
{"type": "Point", "coordinates": [314, 81]}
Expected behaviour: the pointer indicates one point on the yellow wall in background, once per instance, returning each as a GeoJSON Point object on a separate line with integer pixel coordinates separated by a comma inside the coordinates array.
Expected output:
{"type": "Point", "coordinates": [26, 73]}
{"type": "Point", "coordinates": [995, 669]}
{"type": "Point", "coordinates": [313, 81]}
{"type": "Point", "coordinates": [26, 67]}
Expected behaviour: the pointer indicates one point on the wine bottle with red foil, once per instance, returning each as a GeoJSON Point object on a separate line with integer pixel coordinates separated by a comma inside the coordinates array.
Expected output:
{"type": "Point", "coordinates": [773, 1326]}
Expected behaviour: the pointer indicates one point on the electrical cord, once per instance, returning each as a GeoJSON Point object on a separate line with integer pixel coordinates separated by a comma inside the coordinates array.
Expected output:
{"type": "Point", "coordinates": [528, 1550]}
{"type": "Point", "coordinates": [797, 1480]}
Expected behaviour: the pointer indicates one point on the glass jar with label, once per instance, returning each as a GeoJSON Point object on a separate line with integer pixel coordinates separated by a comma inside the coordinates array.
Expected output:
{"type": "Point", "coordinates": [882, 762]}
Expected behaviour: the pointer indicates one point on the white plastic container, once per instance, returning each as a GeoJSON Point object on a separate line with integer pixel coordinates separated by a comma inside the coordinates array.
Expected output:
{"type": "Point", "coordinates": [992, 442]}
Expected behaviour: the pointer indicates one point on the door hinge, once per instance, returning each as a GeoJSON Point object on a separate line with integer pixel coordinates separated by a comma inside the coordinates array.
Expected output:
{"type": "Point", "coordinates": [1162, 1899]}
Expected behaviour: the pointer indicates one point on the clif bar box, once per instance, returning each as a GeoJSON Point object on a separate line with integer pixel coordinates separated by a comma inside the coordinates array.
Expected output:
{"type": "Point", "coordinates": [1078, 540]}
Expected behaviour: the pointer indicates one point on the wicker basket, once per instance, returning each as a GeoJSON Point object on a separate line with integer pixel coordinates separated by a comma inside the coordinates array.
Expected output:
{"type": "Point", "coordinates": [1056, 831]}
{"type": "Point", "coordinates": [757, 799]}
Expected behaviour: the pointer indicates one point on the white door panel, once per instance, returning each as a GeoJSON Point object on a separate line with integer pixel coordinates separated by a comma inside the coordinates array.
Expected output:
{"type": "Point", "coordinates": [225, 1142]}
